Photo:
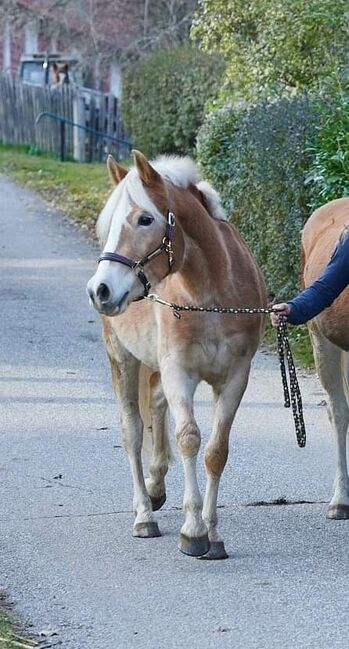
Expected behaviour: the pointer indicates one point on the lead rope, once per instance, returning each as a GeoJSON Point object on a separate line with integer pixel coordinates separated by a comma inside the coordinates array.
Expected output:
{"type": "Point", "coordinates": [292, 393]}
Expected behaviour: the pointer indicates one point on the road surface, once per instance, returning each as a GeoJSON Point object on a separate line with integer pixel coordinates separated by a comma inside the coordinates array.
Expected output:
{"type": "Point", "coordinates": [68, 559]}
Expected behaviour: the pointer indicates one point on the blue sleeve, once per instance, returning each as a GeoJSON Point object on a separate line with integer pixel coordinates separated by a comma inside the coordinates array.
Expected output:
{"type": "Point", "coordinates": [320, 295]}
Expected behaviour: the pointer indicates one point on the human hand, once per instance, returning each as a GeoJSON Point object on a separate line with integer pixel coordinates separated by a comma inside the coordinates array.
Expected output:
{"type": "Point", "coordinates": [282, 310]}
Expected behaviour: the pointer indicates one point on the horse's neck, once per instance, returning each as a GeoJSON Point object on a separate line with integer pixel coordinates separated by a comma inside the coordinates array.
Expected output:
{"type": "Point", "coordinates": [204, 266]}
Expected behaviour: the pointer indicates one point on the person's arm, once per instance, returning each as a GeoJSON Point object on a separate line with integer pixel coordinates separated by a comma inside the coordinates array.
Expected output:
{"type": "Point", "coordinates": [319, 295]}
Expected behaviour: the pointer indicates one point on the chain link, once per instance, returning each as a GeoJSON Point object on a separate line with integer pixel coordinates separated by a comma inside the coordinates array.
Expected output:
{"type": "Point", "coordinates": [292, 393]}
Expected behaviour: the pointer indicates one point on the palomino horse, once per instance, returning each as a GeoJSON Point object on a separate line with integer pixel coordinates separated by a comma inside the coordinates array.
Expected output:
{"type": "Point", "coordinates": [329, 333]}
{"type": "Point", "coordinates": [163, 216]}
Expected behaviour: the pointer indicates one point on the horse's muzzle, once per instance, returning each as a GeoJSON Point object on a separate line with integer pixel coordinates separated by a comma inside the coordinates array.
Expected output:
{"type": "Point", "coordinates": [103, 301]}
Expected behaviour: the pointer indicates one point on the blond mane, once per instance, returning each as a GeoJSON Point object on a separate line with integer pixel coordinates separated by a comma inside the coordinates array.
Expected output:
{"type": "Point", "coordinates": [180, 171]}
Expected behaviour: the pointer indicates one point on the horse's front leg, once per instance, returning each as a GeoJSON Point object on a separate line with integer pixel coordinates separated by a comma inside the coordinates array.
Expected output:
{"type": "Point", "coordinates": [179, 388]}
{"type": "Point", "coordinates": [125, 371]}
{"type": "Point", "coordinates": [227, 400]}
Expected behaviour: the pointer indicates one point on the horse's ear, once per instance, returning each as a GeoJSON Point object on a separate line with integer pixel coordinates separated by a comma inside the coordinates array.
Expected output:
{"type": "Point", "coordinates": [116, 171]}
{"type": "Point", "coordinates": [146, 172]}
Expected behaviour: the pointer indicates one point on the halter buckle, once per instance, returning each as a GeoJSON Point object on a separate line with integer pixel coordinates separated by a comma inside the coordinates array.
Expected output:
{"type": "Point", "coordinates": [167, 243]}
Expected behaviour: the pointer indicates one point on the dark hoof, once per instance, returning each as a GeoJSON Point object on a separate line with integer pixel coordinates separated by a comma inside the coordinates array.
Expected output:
{"type": "Point", "coordinates": [216, 551]}
{"type": "Point", "coordinates": [338, 512]}
{"type": "Point", "coordinates": [146, 530]}
{"type": "Point", "coordinates": [157, 503]}
{"type": "Point", "coordinates": [194, 547]}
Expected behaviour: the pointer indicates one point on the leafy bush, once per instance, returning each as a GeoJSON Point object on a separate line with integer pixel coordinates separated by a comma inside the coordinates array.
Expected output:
{"type": "Point", "coordinates": [328, 175]}
{"type": "Point", "coordinates": [164, 99]}
{"type": "Point", "coordinates": [272, 46]}
{"type": "Point", "coordinates": [256, 158]}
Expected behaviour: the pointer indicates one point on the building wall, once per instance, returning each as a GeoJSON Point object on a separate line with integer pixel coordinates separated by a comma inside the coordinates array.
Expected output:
{"type": "Point", "coordinates": [115, 79]}
{"type": "Point", "coordinates": [16, 42]}
{"type": "Point", "coordinates": [11, 49]}
{"type": "Point", "coordinates": [31, 39]}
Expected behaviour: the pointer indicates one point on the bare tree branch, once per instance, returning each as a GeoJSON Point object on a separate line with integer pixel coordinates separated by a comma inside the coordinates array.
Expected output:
{"type": "Point", "coordinates": [107, 29]}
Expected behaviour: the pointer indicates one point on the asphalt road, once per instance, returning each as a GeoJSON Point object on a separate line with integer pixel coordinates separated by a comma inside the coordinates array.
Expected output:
{"type": "Point", "coordinates": [67, 557]}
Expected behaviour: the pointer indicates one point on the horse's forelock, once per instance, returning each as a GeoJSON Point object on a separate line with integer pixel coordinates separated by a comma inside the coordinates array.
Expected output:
{"type": "Point", "coordinates": [138, 194]}
{"type": "Point", "coordinates": [126, 194]}
{"type": "Point", "coordinates": [105, 218]}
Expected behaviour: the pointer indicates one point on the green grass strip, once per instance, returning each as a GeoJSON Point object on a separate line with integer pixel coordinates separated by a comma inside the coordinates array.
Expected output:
{"type": "Point", "coordinates": [80, 190]}
{"type": "Point", "coordinates": [10, 636]}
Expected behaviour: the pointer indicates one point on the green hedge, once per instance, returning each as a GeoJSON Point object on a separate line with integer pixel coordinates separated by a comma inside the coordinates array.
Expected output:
{"type": "Point", "coordinates": [164, 99]}
{"type": "Point", "coordinates": [273, 46]}
{"type": "Point", "coordinates": [257, 158]}
{"type": "Point", "coordinates": [328, 175]}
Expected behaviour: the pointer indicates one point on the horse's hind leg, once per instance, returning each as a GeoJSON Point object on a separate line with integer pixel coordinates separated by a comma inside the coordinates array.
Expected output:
{"type": "Point", "coordinates": [227, 400]}
{"type": "Point", "coordinates": [125, 370]}
{"type": "Point", "coordinates": [329, 367]}
{"type": "Point", "coordinates": [154, 410]}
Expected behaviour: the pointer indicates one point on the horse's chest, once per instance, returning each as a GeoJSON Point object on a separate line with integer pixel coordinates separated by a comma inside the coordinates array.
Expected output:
{"type": "Point", "coordinates": [137, 335]}
{"type": "Point", "coordinates": [208, 359]}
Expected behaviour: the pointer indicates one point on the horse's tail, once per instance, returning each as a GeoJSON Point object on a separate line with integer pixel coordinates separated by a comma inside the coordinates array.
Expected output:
{"type": "Point", "coordinates": [144, 397]}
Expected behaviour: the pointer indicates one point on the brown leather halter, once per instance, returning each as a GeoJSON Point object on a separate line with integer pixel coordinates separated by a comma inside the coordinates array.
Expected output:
{"type": "Point", "coordinates": [138, 265]}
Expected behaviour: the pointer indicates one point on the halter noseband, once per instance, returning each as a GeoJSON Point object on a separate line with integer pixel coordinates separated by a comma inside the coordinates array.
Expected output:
{"type": "Point", "coordinates": [138, 265]}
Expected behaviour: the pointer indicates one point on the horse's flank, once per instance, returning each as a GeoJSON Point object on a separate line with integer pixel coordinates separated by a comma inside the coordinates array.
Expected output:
{"type": "Point", "coordinates": [320, 236]}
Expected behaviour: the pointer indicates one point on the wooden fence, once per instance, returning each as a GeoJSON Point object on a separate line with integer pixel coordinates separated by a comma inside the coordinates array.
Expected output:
{"type": "Point", "coordinates": [21, 103]}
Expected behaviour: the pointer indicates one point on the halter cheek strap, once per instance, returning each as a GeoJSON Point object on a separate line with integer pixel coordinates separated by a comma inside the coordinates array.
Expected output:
{"type": "Point", "coordinates": [138, 265]}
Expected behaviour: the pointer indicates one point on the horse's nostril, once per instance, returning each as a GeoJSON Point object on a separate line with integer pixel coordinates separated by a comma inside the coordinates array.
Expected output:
{"type": "Point", "coordinates": [103, 293]}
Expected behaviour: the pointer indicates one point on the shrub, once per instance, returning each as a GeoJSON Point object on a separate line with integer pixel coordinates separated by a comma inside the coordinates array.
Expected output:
{"type": "Point", "coordinates": [256, 158]}
{"type": "Point", "coordinates": [164, 99]}
{"type": "Point", "coordinates": [328, 175]}
{"type": "Point", "coordinates": [270, 46]}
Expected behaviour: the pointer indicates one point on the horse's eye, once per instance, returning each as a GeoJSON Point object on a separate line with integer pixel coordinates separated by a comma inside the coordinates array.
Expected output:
{"type": "Point", "coordinates": [145, 220]}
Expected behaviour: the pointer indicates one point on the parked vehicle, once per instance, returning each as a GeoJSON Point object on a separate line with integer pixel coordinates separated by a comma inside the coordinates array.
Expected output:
{"type": "Point", "coordinates": [48, 69]}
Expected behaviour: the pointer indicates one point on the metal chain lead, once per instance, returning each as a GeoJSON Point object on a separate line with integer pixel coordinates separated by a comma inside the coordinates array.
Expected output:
{"type": "Point", "coordinates": [292, 393]}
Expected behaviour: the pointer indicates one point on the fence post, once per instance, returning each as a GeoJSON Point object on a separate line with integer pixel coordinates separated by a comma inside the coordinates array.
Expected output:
{"type": "Point", "coordinates": [62, 125]}
{"type": "Point", "coordinates": [78, 133]}
{"type": "Point", "coordinates": [92, 125]}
